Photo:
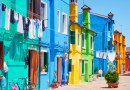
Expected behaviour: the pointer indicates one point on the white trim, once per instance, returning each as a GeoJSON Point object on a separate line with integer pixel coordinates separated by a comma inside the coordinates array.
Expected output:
{"type": "Point", "coordinates": [31, 48]}
{"type": "Point", "coordinates": [43, 72]}
{"type": "Point", "coordinates": [79, 39]}
{"type": "Point", "coordinates": [43, 50]}
{"type": "Point", "coordinates": [84, 66]}
{"type": "Point", "coordinates": [92, 42]}
{"type": "Point", "coordinates": [84, 40]}
{"type": "Point", "coordinates": [65, 26]}
{"type": "Point", "coordinates": [45, 14]}
{"type": "Point", "coordinates": [73, 2]}
{"type": "Point", "coordinates": [58, 20]}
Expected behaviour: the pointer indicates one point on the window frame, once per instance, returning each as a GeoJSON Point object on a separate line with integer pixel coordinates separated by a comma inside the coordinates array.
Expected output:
{"type": "Point", "coordinates": [65, 28]}
{"type": "Point", "coordinates": [74, 1]}
{"type": "Point", "coordinates": [78, 39]}
{"type": "Point", "coordinates": [84, 67]}
{"type": "Point", "coordinates": [84, 40]}
{"type": "Point", "coordinates": [91, 42]}
{"type": "Point", "coordinates": [45, 14]}
{"type": "Point", "coordinates": [58, 12]}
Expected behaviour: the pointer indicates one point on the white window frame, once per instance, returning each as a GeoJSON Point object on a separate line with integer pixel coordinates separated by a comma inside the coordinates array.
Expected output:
{"type": "Point", "coordinates": [73, 2]}
{"type": "Point", "coordinates": [92, 42]}
{"type": "Point", "coordinates": [79, 39]}
{"type": "Point", "coordinates": [58, 20]}
{"type": "Point", "coordinates": [84, 40]}
{"type": "Point", "coordinates": [84, 67]}
{"type": "Point", "coordinates": [65, 28]}
{"type": "Point", "coordinates": [45, 14]}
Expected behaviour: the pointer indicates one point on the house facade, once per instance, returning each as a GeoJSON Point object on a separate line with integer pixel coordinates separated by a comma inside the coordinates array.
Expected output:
{"type": "Point", "coordinates": [103, 25]}
{"type": "Point", "coordinates": [16, 50]}
{"type": "Point", "coordinates": [56, 37]}
{"type": "Point", "coordinates": [127, 59]}
{"type": "Point", "coordinates": [119, 41]}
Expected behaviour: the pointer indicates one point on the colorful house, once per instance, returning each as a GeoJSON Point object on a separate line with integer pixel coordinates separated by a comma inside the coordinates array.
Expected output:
{"type": "Point", "coordinates": [103, 25]}
{"type": "Point", "coordinates": [87, 46]}
{"type": "Point", "coordinates": [119, 41]}
{"type": "Point", "coordinates": [17, 52]}
{"type": "Point", "coordinates": [127, 59]}
{"type": "Point", "coordinates": [56, 37]}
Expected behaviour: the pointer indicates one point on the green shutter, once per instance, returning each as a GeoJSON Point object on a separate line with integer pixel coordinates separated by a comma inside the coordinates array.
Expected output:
{"type": "Point", "coordinates": [72, 37]}
{"type": "Point", "coordinates": [46, 60]}
{"type": "Point", "coordinates": [82, 66]}
{"type": "Point", "coordinates": [108, 26]}
{"type": "Point", "coordinates": [70, 65]}
{"type": "Point", "coordinates": [83, 40]}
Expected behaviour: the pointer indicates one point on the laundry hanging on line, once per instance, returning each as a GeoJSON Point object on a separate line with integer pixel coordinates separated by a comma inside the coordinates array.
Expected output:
{"type": "Point", "coordinates": [97, 54]}
{"type": "Point", "coordinates": [101, 55]}
{"type": "Point", "coordinates": [111, 56]}
{"type": "Point", "coordinates": [104, 55]}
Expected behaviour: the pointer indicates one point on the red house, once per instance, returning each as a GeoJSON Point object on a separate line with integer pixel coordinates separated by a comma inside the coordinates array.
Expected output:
{"type": "Point", "coordinates": [128, 59]}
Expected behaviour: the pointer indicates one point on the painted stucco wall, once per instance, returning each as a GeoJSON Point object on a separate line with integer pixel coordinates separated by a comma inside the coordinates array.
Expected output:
{"type": "Point", "coordinates": [15, 47]}
{"type": "Point", "coordinates": [57, 42]}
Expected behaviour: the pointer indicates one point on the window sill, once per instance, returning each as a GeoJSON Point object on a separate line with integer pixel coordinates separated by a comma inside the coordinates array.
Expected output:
{"type": "Point", "coordinates": [43, 72]}
{"type": "Point", "coordinates": [84, 48]}
{"type": "Point", "coordinates": [83, 74]}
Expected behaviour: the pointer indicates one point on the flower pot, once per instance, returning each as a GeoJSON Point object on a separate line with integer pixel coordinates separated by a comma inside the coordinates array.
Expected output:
{"type": "Point", "coordinates": [43, 70]}
{"type": "Point", "coordinates": [113, 85]}
{"type": "Point", "coordinates": [50, 88]}
{"type": "Point", "coordinates": [55, 74]}
{"type": "Point", "coordinates": [97, 76]}
{"type": "Point", "coordinates": [94, 77]}
{"type": "Point", "coordinates": [90, 78]}
{"type": "Point", "coordinates": [1, 76]}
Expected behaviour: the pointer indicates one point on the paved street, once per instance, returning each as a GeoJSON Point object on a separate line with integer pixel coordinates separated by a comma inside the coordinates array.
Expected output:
{"type": "Point", "coordinates": [100, 84]}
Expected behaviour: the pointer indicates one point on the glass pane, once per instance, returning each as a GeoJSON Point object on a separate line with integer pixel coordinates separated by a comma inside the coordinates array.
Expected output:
{"type": "Point", "coordinates": [42, 11]}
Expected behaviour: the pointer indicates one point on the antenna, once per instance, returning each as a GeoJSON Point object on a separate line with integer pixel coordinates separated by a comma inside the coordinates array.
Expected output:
{"type": "Point", "coordinates": [83, 2]}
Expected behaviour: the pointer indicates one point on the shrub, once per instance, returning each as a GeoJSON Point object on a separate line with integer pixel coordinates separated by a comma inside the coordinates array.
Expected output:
{"type": "Point", "coordinates": [112, 77]}
{"type": "Point", "coordinates": [96, 69]}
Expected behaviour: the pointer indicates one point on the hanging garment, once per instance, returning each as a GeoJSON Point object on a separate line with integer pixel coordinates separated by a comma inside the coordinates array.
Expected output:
{"type": "Point", "coordinates": [111, 56]}
{"type": "Point", "coordinates": [5, 68]}
{"type": "Point", "coordinates": [118, 55]}
{"type": "Point", "coordinates": [101, 55]}
{"type": "Point", "coordinates": [36, 24]}
{"type": "Point", "coordinates": [31, 29]}
{"type": "Point", "coordinates": [12, 16]}
{"type": "Point", "coordinates": [43, 25]}
{"type": "Point", "coordinates": [7, 19]}
{"type": "Point", "coordinates": [97, 54]}
{"type": "Point", "coordinates": [0, 14]}
{"type": "Point", "coordinates": [3, 82]}
{"type": "Point", "coordinates": [16, 16]}
{"type": "Point", "coordinates": [40, 29]}
{"type": "Point", "coordinates": [34, 29]}
{"type": "Point", "coordinates": [26, 23]}
{"type": "Point", "coordinates": [34, 69]}
{"type": "Point", "coordinates": [20, 24]}
{"type": "Point", "coordinates": [3, 7]}
{"type": "Point", "coordinates": [105, 55]}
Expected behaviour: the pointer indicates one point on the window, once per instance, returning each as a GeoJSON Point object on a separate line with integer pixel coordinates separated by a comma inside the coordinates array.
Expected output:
{"type": "Point", "coordinates": [64, 23]}
{"type": "Point", "coordinates": [91, 42]}
{"type": "Point", "coordinates": [44, 61]}
{"type": "Point", "coordinates": [83, 40]}
{"type": "Point", "coordinates": [72, 33]}
{"type": "Point", "coordinates": [73, 1]}
{"type": "Point", "coordinates": [43, 14]}
{"type": "Point", "coordinates": [1, 55]}
{"type": "Point", "coordinates": [70, 65]}
{"type": "Point", "coordinates": [83, 67]}
{"type": "Point", "coordinates": [78, 39]}
{"type": "Point", "coordinates": [108, 26]}
{"type": "Point", "coordinates": [58, 20]}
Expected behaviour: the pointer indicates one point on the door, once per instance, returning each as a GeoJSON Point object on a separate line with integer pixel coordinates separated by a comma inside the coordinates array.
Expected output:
{"type": "Point", "coordinates": [59, 69]}
{"type": "Point", "coordinates": [122, 69]}
{"type": "Point", "coordinates": [1, 55]}
{"type": "Point", "coordinates": [79, 70]}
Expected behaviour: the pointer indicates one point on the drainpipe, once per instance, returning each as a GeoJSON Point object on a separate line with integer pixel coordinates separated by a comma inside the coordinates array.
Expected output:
{"type": "Point", "coordinates": [69, 49]}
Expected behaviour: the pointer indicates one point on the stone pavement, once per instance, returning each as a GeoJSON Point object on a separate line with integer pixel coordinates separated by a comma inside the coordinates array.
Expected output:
{"type": "Point", "coordinates": [100, 84]}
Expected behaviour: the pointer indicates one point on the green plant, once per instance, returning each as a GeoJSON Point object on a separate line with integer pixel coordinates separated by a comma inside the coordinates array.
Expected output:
{"type": "Point", "coordinates": [108, 62]}
{"type": "Point", "coordinates": [114, 66]}
{"type": "Point", "coordinates": [54, 81]}
{"type": "Point", "coordinates": [112, 77]}
{"type": "Point", "coordinates": [44, 67]}
{"type": "Point", "coordinates": [96, 69]}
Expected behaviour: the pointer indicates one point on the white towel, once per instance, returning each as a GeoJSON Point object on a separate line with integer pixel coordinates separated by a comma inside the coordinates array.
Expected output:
{"type": "Point", "coordinates": [97, 54]}
{"type": "Point", "coordinates": [7, 19]}
{"type": "Point", "coordinates": [20, 24]}
{"type": "Point", "coordinates": [101, 55]}
{"type": "Point", "coordinates": [111, 56]}
{"type": "Point", "coordinates": [105, 55]}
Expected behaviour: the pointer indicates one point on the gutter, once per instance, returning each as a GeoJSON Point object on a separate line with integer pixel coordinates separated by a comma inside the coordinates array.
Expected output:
{"type": "Point", "coordinates": [69, 49]}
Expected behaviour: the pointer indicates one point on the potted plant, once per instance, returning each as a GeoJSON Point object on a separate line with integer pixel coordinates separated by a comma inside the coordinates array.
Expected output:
{"type": "Point", "coordinates": [50, 87]}
{"type": "Point", "coordinates": [43, 68]}
{"type": "Point", "coordinates": [58, 84]}
{"type": "Point", "coordinates": [112, 78]}
{"type": "Point", "coordinates": [55, 73]}
{"type": "Point", "coordinates": [66, 83]}
{"type": "Point", "coordinates": [90, 78]}
{"type": "Point", "coordinates": [95, 70]}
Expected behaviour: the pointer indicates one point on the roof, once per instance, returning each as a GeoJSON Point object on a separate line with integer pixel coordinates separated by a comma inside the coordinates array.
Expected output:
{"type": "Point", "coordinates": [127, 49]}
{"type": "Point", "coordinates": [85, 7]}
{"type": "Point", "coordinates": [110, 14]}
{"type": "Point", "coordinates": [83, 27]}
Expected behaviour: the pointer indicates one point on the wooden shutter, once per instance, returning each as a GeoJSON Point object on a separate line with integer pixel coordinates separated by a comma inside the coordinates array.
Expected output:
{"type": "Point", "coordinates": [72, 37]}
{"type": "Point", "coordinates": [108, 26]}
{"type": "Point", "coordinates": [46, 60]}
{"type": "Point", "coordinates": [70, 65]}
{"type": "Point", "coordinates": [1, 55]}
{"type": "Point", "coordinates": [82, 66]}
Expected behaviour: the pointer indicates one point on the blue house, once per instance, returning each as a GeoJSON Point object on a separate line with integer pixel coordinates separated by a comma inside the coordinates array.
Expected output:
{"type": "Point", "coordinates": [103, 25]}
{"type": "Point", "coordinates": [54, 57]}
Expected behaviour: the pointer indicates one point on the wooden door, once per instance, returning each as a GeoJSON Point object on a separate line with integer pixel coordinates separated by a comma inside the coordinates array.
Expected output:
{"type": "Point", "coordinates": [1, 55]}
{"type": "Point", "coordinates": [59, 69]}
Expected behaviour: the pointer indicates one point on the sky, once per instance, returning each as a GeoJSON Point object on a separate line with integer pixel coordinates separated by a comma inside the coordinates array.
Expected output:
{"type": "Point", "coordinates": [120, 9]}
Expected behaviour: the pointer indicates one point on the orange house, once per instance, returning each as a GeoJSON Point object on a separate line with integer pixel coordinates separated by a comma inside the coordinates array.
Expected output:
{"type": "Point", "coordinates": [119, 46]}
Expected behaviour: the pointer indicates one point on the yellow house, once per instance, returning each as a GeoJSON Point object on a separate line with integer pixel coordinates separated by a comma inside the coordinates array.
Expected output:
{"type": "Point", "coordinates": [119, 42]}
{"type": "Point", "coordinates": [75, 44]}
